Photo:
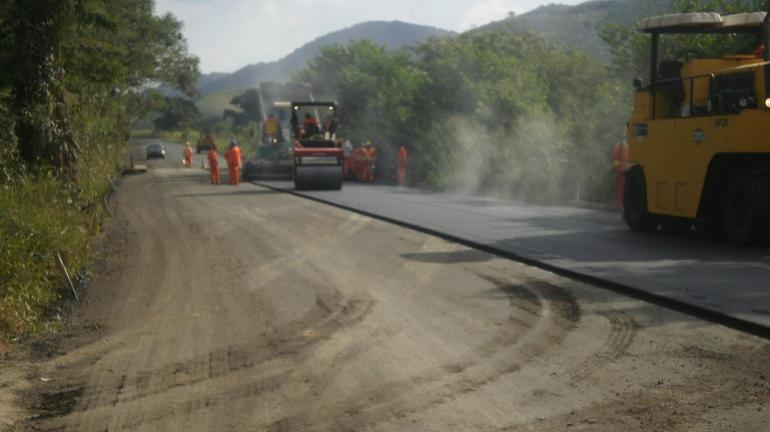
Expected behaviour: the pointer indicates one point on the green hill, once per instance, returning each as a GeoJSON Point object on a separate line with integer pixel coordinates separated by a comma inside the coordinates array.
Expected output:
{"type": "Point", "coordinates": [213, 104]}
{"type": "Point", "coordinates": [393, 34]}
{"type": "Point", "coordinates": [577, 26]}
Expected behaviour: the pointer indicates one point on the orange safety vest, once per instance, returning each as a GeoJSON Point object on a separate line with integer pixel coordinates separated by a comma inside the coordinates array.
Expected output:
{"type": "Point", "coordinates": [213, 159]}
{"type": "Point", "coordinates": [620, 156]}
{"type": "Point", "coordinates": [402, 157]}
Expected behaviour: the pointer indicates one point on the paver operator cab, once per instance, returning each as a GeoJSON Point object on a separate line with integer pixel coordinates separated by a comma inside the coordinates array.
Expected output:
{"type": "Point", "coordinates": [318, 154]}
{"type": "Point", "coordinates": [699, 136]}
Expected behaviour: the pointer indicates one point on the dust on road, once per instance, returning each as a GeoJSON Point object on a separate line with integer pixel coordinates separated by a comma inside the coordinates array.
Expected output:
{"type": "Point", "coordinates": [224, 308]}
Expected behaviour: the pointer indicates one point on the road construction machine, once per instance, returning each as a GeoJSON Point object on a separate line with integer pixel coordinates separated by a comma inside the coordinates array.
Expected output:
{"type": "Point", "coordinates": [274, 151]}
{"type": "Point", "coordinates": [317, 153]}
{"type": "Point", "coordinates": [699, 136]}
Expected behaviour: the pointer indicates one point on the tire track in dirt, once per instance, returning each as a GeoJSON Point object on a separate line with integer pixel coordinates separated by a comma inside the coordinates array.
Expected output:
{"type": "Point", "coordinates": [553, 314]}
{"type": "Point", "coordinates": [271, 313]}
{"type": "Point", "coordinates": [619, 338]}
{"type": "Point", "coordinates": [332, 314]}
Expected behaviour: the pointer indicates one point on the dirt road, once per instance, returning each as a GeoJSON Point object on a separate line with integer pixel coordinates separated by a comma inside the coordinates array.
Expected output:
{"type": "Point", "coordinates": [223, 308]}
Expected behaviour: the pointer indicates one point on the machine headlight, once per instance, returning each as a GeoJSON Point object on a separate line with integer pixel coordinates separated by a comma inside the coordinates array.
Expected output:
{"type": "Point", "coordinates": [743, 102]}
{"type": "Point", "coordinates": [767, 102]}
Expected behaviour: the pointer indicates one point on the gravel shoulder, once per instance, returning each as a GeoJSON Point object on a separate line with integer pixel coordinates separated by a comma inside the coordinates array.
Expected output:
{"type": "Point", "coordinates": [223, 308]}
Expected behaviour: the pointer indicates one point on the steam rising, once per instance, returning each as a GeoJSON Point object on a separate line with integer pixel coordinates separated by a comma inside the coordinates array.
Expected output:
{"type": "Point", "coordinates": [526, 160]}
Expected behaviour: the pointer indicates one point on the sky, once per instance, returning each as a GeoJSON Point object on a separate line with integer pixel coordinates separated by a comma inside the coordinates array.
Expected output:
{"type": "Point", "coordinates": [229, 34]}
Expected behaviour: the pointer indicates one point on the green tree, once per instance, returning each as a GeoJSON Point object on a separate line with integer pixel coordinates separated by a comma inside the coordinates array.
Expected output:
{"type": "Point", "coordinates": [250, 105]}
{"type": "Point", "coordinates": [177, 114]}
{"type": "Point", "coordinates": [482, 111]}
{"type": "Point", "coordinates": [70, 64]}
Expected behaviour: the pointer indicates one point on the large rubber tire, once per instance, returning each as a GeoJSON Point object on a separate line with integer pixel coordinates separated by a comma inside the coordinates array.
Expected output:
{"type": "Point", "coordinates": [635, 202]}
{"type": "Point", "coordinates": [711, 224]}
{"type": "Point", "coordinates": [747, 209]}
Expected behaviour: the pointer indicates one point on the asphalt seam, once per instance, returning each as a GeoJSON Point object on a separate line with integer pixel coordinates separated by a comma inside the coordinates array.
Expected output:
{"type": "Point", "coordinates": [618, 288]}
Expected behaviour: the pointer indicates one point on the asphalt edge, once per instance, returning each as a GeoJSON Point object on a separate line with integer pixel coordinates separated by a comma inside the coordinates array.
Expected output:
{"type": "Point", "coordinates": [679, 306]}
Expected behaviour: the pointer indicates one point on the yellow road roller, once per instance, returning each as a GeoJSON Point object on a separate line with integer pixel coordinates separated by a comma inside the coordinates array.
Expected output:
{"type": "Point", "coordinates": [699, 136]}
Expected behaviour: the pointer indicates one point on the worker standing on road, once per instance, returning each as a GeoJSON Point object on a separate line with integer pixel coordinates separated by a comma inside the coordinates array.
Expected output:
{"type": "Point", "coordinates": [347, 151]}
{"type": "Point", "coordinates": [187, 155]}
{"type": "Point", "coordinates": [214, 164]}
{"type": "Point", "coordinates": [401, 164]}
{"type": "Point", "coordinates": [619, 160]}
{"type": "Point", "coordinates": [372, 159]}
{"type": "Point", "coordinates": [233, 157]}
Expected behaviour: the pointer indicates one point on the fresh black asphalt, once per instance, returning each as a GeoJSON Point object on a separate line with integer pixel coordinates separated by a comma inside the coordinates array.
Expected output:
{"type": "Point", "coordinates": [710, 275]}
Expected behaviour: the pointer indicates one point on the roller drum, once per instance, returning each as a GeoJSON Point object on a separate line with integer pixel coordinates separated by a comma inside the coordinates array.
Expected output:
{"type": "Point", "coordinates": [318, 177]}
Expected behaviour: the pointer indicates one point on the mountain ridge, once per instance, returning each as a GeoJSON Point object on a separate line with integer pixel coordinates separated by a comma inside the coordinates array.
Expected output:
{"type": "Point", "coordinates": [578, 26]}
{"type": "Point", "coordinates": [392, 34]}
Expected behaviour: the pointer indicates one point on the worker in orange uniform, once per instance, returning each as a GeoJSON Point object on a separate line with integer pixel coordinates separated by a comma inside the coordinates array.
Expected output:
{"type": "Point", "coordinates": [233, 157]}
{"type": "Point", "coordinates": [214, 164]}
{"type": "Point", "coordinates": [619, 160]}
{"type": "Point", "coordinates": [347, 151]}
{"type": "Point", "coordinates": [187, 155]}
{"type": "Point", "coordinates": [372, 154]}
{"type": "Point", "coordinates": [401, 164]}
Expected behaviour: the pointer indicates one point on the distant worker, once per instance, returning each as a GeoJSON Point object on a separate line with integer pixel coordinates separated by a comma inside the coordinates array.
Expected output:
{"type": "Point", "coordinates": [347, 150]}
{"type": "Point", "coordinates": [759, 52]}
{"type": "Point", "coordinates": [619, 160]}
{"type": "Point", "coordinates": [233, 157]}
{"type": "Point", "coordinates": [310, 125]}
{"type": "Point", "coordinates": [361, 163]}
{"type": "Point", "coordinates": [214, 164]}
{"type": "Point", "coordinates": [401, 165]}
{"type": "Point", "coordinates": [372, 161]}
{"type": "Point", "coordinates": [187, 155]}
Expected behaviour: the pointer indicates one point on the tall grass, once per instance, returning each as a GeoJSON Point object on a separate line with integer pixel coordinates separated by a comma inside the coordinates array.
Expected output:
{"type": "Point", "coordinates": [43, 216]}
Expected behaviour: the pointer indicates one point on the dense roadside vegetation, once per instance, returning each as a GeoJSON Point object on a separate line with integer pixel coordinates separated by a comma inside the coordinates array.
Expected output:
{"type": "Point", "coordinates": [486, 111]}
{"type": "Point", "coordinates": [74, 78]}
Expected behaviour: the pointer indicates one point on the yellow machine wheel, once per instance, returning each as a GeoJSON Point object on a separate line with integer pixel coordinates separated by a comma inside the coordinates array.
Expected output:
{"type": "Point", "coordinates": [747, 208]}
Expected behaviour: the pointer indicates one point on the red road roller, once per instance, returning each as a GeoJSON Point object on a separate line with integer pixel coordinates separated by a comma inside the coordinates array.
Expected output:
{"type": "Point", "coordinates": [317, 152]}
